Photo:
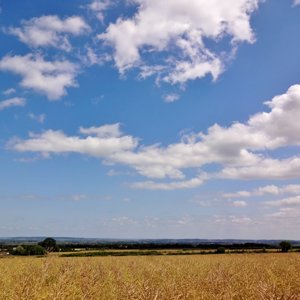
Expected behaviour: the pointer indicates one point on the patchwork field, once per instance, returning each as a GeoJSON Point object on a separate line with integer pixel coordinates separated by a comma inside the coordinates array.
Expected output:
{"type": "Point", "coordinates": [230, 276]}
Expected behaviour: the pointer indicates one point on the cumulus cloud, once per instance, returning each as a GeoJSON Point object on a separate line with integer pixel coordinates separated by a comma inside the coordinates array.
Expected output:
{"type": "Point", "coordinates": [50, 30]}
{"type": "Point", "coordinates": [178, 30]}
{"type": "Point", "coordinates": [50, 78]}
{"type": "Point", "coordinates": [239, 150]}
{"type": "Point", "coordinates": [57, 142]}
{"type": "Point", "coordinates": [16, 101]}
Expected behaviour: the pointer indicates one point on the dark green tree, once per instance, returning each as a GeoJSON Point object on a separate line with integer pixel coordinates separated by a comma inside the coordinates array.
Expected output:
{"type": "Point", "coordinates": [49, 244]}
{"type": "Point", "coordinates": [285, 246]}
{"type": "Point", "coordinates": [220, 250]}
{"type": "Point", "coordinates": [29, 250]}
{"type": "Point", "coordinates": [35, 250]}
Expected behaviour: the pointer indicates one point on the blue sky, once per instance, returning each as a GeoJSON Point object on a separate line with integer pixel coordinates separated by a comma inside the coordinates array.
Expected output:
{"type": "Point", "coordinates": [150, 119]}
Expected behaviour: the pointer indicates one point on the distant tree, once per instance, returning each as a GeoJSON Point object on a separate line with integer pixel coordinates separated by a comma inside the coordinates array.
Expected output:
{"type": "Point", "coordinates": [221, 250]}
{"type": "Point", "coordinates": [35, 250]}
{"type": "Point", "coordinates": [49, 244]}
{"type": "Point", "coordinates": [20, 250]}
{"type": "Point", "coordinates": [285, 246]}
{"type": "Point", "coordinates": [29, 250]}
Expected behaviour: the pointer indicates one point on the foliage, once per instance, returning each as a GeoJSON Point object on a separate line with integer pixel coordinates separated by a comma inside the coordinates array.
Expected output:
{"type": "Point", "coordinates": [29, 250]}
{"type": "Point", "coordinates": [285, 246]}
{"type": "Point", "coordinates": [49, 244]}
{"type": "Point", "coordinates": [20, 250]}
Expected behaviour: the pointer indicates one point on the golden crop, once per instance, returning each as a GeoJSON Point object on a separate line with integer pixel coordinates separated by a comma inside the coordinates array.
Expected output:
{"type": "Point", "coordinates": [231, 276]}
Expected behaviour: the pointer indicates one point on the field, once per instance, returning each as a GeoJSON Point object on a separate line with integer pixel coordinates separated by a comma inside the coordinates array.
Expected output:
{"type": "Point", "coordinates": [230, 276]}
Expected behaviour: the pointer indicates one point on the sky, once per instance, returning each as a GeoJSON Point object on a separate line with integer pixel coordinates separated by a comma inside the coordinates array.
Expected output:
{"type": "Point", "coordinates": [150, 119]}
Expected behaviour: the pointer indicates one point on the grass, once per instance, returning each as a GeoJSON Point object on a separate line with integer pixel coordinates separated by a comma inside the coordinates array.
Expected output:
{"type": "Point", "coordinates": [231, 276]}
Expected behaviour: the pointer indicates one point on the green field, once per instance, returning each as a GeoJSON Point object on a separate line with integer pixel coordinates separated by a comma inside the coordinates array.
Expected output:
{"type": "Point", "coordinates": [230, 276]}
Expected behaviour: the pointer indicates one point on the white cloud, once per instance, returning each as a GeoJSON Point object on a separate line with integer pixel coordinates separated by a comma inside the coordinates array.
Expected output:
{"type": "Point", "coordinates": [179, 29]}
{"type": "Point", "coordinates": [12, 102]}
{"type": "Point", "coordinates": [266, 190]}
{"type": "Point", "coordinates": [124, 221]}
{"type": "Point", "coordinates": [289, 215]}
{"type": "Point", "coordinates": [239, 194]}
{"type": "Point", "coordinates": [292, 201]}
{"type": "Point", "coordinates": [99, 7]}
{"type": "Point", "coordinates": [57, 142]}
{"type": "Point", "coordinates": [48, 31]}
{"type": "Point", "coordinates": [171, 98]}
{"type": "Point", "coordinates": [93, 58]}
{"type": "Point", "coordinates": [39, 118]}
{"type": "Point", "coordinates": [176, 185]}
{"type": "Point", "coordinates": [46, 77]}
{"type": "Point", "coordinates": [265, 169]}
{"type": "Point", "coordinates": [9, 92]}
{"type": "Point", "coordinates": [239, 150]}
{"type": "Point", "coordinates": [112, 130]}
{"type": "Point", "coordinates": [239, 204]}
{"type": "Point", "coordinates": [79, 197]}
{"type": "Point", "coordinates": [241, 220]}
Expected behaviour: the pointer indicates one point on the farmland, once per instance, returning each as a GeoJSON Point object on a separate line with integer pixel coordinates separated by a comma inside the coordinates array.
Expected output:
{"type": "Point", "coordinates": [229, 276]}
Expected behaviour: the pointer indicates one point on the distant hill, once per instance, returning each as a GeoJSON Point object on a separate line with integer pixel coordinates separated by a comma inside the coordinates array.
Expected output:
{"type": "Point", "coordinates": [192, 242]}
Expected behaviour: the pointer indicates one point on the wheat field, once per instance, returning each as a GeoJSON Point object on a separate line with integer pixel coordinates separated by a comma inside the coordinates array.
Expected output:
{"type": "Point", "coordinates": [230, 276]}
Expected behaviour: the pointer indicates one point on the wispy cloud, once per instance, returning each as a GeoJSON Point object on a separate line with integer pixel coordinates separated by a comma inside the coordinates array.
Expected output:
{"type": "Point", "coordinates": [169, 98]}
{"type": "Point", "coordinates": [239, 203]}
{"type": "Point", "coordinates": [16, 101]}
{"type": "Point", "coordinates": [98, 7]}
{"type": "Point", "coordinates": [292, 201]}
{"type": "Point", "coordinates": [9, 92]}
{"type": "Point", "coordinates": [38, 118]}
{"type": "Point", "coordinates": [296, 2]}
